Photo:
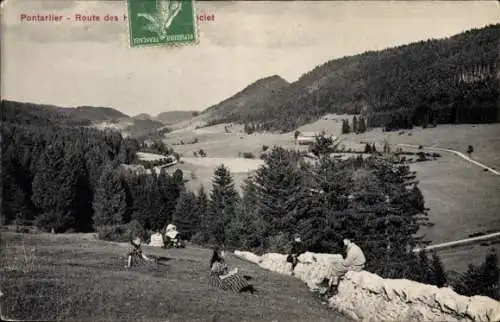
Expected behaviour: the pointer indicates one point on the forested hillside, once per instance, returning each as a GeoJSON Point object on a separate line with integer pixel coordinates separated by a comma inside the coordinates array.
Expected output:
{"type": "Point", "coordinates": [172, 117]}
{"type": "Point", "coordinates": [453, 80]}
{"type": "Point", "coordinates": [78, 116]}
{"type": "Point", "coordinates": [62, 176]}
{"type": "Point", "coordinates": [249, 98]}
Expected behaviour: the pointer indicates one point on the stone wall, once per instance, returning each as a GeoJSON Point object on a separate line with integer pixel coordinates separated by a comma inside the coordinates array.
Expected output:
{"type": "Point", "coordinates": [364, 296]}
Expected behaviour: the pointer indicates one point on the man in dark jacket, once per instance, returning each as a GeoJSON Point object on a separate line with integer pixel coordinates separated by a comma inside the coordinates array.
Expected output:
{"type": "Point", "coordinates": [297, 249]}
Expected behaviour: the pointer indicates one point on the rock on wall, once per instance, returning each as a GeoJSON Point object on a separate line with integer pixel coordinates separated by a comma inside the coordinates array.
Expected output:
{"type": "Point", "coordinates": [314, 268]}
{"type": "Point", "coordinates": [367, 297]}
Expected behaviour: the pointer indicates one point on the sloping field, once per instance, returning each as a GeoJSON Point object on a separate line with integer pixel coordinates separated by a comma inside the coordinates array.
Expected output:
{"type": "Point", "coordinates": [463, 199]}
{"type": "Point", "coordinates": [75, 277]}
{"type": "Point", "coordinates": [485, 138]}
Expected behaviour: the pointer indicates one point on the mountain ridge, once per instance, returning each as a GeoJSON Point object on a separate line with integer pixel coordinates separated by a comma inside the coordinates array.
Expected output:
{"type": "Point", "coordinates": [421, 81]}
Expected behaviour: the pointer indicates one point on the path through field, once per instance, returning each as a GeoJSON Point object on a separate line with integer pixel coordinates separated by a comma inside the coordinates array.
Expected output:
{"type": "Point", "coordinates": [460, 154]}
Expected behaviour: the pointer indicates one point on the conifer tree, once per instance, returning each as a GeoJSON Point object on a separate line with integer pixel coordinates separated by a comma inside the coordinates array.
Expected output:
{"type": "Point", "coordinates": [186, 215]}
{"type": "Point", "coordinates": [45, 183]}
{"type": "Point", "coordinates": [158, 214]}
{"type": "Point", "coordinates": [110, 203]}
{"type": "Point", "coordinates": [425, 270]}
{"type": "Point", "coordinates": [488, 283]}
{"type": "Point", "coordinates": [362, 125]}
{"type": "Point", "coordinates": [281, 190]}
{"type": "Point", "coordinates": [223, 204]}
{"type": "Point", "coordinates": [355, 128]}
{"type": "Point", "coordinates": [203, 204]}
{"type": "Point", "coordinates": [346, 129]}
{"type": "Point", "coordinates": [439, 274]}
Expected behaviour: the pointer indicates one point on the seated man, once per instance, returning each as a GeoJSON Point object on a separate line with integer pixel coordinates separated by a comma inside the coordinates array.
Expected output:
{"type": "Point", "coordinates": [354, 261]}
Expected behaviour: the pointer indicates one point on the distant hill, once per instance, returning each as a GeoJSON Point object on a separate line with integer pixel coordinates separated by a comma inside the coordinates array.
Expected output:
{"type": "Point", "coordinates": [173, 117]}
{"type": "Point", "coordinates": [452, 80]}
{"type": "Point", "coordinates": [247, 99]}
{"type": "Point", "coordinates": [100, 117]}
{"type": "Point", "coordinates": [143, 116]}
{"type": "Point", "coordinates": [94, 113]}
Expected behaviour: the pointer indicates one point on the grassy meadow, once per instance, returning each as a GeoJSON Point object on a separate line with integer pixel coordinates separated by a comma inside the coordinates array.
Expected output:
{"type": "Point", "coordinates": [77, 277]}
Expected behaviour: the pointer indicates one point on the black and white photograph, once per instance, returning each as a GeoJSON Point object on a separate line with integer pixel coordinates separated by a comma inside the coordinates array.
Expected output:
{"type": "Point", "coordinates": [278, 161]}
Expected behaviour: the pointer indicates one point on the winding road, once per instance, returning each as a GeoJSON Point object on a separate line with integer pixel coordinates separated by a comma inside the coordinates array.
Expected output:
{"type": "Point", "coordinates": [466, 240]}
{"type": "Point", "coordinates": [460, 154]}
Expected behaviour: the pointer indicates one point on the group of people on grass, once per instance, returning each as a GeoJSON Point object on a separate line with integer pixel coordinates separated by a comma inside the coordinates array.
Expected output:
{"type": "Point", "coordinates": [233, 280]}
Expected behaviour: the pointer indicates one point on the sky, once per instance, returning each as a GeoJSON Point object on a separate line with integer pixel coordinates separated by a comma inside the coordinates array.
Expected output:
{"type": "Point", "coordinates": [73, 63]}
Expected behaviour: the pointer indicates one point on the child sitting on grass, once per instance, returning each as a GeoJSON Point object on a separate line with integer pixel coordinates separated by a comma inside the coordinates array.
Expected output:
{"type": "Point", "coordinates": [135, 253]}
{"type": "Point", "coordinates": [221, 277]}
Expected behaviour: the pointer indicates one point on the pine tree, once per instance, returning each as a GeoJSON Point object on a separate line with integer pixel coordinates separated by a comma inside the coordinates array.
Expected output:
{"type": "Point", "coordinates": [137, 188]}
{"type": "Point", "coordinates": [281, 190]}
{"type": "Point", "coordinates": [346, 129]}
{"type": "Point", "coordinates": [187, 215]}
{"type": "Point", "coordinates": [45, 183]}
{"type": "Point", "coordinates": [110, 203]}
{"type": "Point", "coordinates": [425, 270]}
{"type": "Point", "coordinates": [203, 202]}
{"type": "Point", "coordinates": [158, 213]}
{"type": "Point", "coordinates": [355, 128]}
{"type": "Point", "coordinates": [223, 204]}
{"type": "Point", "coordinates": [46, 189]}
{"type": "Point", "coordinates": [362, 125]}
{"type": "Point", "coordinates": [170, 188]}
{"type": "Point", "coordinates": [489, 274]}
{"type": "Point", "coordinates": [439, 274]}
{"type": "Point", "coordinates": [81, 202]}
{"type": "Point", "coordinates": [467, 283]}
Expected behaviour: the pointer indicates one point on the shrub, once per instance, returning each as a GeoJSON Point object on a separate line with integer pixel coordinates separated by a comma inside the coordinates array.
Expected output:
{"type": "Point", "coordinates": [278, 244]}
{"type": "Point", "coordinates": [264, 148]}
{"type": "Point", "coordinates": [421, 157]}
{"type": "Point", "coordinates": [248, 155]}
{"type": "Point", "coordinates": [122, 233]}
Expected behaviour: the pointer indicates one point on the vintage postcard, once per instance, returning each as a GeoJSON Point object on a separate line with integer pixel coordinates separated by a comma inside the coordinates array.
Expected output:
{"type": "Point", "coordinates": [183, 160]}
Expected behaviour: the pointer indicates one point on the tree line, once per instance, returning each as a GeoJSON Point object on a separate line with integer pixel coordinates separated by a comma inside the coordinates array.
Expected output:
{"type": "Point", "coordinates": [375, 201]}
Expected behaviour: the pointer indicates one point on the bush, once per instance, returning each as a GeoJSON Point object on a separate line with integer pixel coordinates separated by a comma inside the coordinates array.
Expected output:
{"type": "Point", "coordinates": [248, 155]}
{"type": "Point", "coordinates": [421, 157]}
{"type": "Point", "coordinates": [122, 233]}
{"type": "Point", "coordinates": [278, 244]}
{"type": "Point", "coordinates": [264, 148]}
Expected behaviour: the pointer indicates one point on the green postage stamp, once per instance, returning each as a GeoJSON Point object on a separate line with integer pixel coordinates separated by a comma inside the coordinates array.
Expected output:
{"type": "Point", "coordinates": [162, 22]}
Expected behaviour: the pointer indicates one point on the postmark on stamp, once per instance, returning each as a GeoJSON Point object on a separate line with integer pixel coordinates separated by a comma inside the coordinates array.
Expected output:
{"type": "Point", "coordinates": [162, 22]}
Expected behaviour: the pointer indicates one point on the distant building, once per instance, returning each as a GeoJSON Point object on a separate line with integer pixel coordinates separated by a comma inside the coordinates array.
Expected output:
{"type": "Point", "coordinates": [306, 138]}
{"type": "Point", "coordinates": [310, 137]}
